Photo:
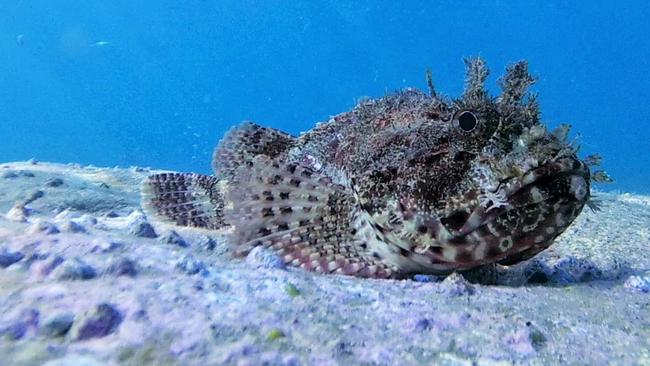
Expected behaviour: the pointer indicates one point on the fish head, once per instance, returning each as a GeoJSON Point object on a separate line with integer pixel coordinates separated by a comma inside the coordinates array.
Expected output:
{"type": "Point", "coordinates": [473, 180]}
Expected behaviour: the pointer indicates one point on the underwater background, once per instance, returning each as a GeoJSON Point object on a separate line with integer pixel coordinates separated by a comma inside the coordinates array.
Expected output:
{"type": "Point", "coordinates": [157, 82]}
{"type": "Point", "coordinates": [105, 94]}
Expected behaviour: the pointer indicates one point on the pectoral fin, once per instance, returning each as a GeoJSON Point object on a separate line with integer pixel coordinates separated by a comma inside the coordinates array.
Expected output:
{"type": "Point", "coordinates": [303, 216]}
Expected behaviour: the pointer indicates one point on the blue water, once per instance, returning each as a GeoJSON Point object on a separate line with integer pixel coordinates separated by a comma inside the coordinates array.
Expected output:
{"type": "Point", "coordinates": [157, 82]}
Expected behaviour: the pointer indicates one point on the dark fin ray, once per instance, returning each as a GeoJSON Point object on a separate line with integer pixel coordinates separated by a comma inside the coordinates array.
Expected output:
{"type": "Point", "coordinates": [184, 199]}
{"type": "Point", "coordinates": [301, 215]}
{"type": "Point", "coordinates": [245, 141]}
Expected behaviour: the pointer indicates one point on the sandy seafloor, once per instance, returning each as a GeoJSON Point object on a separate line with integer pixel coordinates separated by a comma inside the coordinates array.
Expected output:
{"type": "Point", "coordinates": [87, 279]}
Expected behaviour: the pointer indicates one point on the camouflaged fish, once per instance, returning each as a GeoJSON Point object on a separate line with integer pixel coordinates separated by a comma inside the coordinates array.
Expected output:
{"type": "Point", "coordinates": [410, 183]}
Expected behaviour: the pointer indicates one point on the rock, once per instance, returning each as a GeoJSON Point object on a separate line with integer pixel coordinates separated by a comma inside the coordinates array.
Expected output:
{"type": "Point", "coordinates": [88, 220]}
{"type": "Point", "coordinates": [142, 229]}
{"type": "Point", "coordinates": [98, 322]}
{"type": "Point", "coordinates": [18, 213]}
{"type": "Point", "coordinates": [190, 265]}
{"type": "Point", "coordinates": [106, 245]}
{"type": "Point", "coordinates": [72, 227]}
{"type": "Point", "coordinates": [122, 267]}
{"type": "Point", "coordinates": [136, 215]}
{"type": "Point", "coordinates": [206, 243]}
{"type": "Point", "coordinates": [9, 174]}
{"type": "Point", "coordinates": [571, 270]}
{"type": "Point", "coordinates": [57, 325]}
{"type": "Point", "coordinates": [138, 226]}
{"type": "Point", "coordinates": [261, 257]}
{"type": "Point", "coordinates": [32, 258]}
{"type": "Point", "coordinates": [74, 269]}
{"type": "Point", "coordinates": [43, 227]}
{"type": "Point", "coordinates": [34, 196]}
{"type": "Point", "coordinates": [45, 268]}
{"type": "Point", "coordinates": [8, 258]}
{"type": "Point", "coordinates": [456, 285]}
{"type": "Point", "coordinates": [14, 331]}
{"type": "Point", "coordinates": [54, 182]}
{"type": "Point", "coordinates": [20, 327]}
{"type": "Point", "coordinates": [111, 214]}
{"type": "Point", "coordinates": [172, 238]}
{"type": "Point", "coordinates": [638, 283]}
{"type": "Point", "coordinates": [423, 324]}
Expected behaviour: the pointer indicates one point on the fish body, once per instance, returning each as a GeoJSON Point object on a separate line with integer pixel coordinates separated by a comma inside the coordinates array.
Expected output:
{"type": "Point", "coordinates": [412, 182]}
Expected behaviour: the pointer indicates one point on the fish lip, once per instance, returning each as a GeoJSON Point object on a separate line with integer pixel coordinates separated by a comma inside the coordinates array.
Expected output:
{"type": "Point", "coordinates": [567, 167]}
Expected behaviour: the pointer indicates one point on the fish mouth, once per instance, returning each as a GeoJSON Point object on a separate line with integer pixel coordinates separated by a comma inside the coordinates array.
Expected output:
{"type": "Point", "coordinates": [511, 223]}
{"type": "Point", "coordinates": [520, 218]}
{"type": "Point", "coordinates": [560, 182]}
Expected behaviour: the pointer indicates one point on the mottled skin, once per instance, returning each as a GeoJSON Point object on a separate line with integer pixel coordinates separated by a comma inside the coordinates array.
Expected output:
{"type": "Point", "coordinates": [409, 183]}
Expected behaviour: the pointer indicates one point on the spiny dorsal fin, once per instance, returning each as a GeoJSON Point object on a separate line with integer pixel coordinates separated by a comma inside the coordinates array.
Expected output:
{"type": "Point", "coordinates": [245, 141]}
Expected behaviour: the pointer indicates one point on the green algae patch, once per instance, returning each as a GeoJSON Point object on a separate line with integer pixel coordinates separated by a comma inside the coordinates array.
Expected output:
{"type": "Point", "coordinates": [275, 334]}
{"type": "Point", "coordinates": [292, 290]}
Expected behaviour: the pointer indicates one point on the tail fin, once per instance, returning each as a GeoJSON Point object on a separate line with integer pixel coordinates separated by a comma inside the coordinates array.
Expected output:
{"type": "Point", "coordinates": [184, 199]}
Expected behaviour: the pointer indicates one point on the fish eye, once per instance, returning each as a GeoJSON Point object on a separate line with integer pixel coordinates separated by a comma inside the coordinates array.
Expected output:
{"type": "Point", "coordinates": [467, 121]}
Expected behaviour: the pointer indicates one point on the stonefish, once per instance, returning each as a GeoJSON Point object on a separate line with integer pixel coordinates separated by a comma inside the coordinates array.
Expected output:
{"type": "Point", "coordinates": [412, 182]}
